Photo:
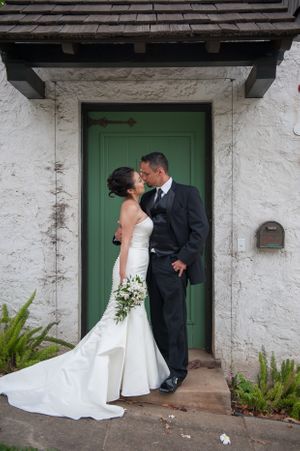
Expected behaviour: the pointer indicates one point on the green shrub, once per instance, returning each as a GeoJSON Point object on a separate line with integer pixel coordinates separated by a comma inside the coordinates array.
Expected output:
{"type": "Point", "coordinates": [275, 391]}
{"type": "Point", "coordinates": [14, 448]}
{"type": "Point", "coordinates": [22, 346]}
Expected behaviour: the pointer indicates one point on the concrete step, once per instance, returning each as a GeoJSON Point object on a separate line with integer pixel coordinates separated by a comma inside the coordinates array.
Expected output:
{"type": "Point", "coordinates": [205, 388]}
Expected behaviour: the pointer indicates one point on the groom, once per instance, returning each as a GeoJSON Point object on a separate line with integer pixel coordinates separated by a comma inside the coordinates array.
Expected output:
{"type": "Point", "coordinates": [177, 241]}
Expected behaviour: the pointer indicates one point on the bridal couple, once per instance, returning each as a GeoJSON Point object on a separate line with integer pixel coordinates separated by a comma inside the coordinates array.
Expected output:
{"type": "Point", "coordinates": [162, 237]}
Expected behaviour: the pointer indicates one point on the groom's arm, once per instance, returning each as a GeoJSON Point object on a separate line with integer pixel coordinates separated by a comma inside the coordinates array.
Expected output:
{"type": "Point", "coordinates": [117, 237]}
{"type": "Point", "coordinates": [198, 228]}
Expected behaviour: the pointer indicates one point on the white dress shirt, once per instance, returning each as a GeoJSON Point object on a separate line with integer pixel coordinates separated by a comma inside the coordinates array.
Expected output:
{"type": "Point", "coordinates": [165, 188]}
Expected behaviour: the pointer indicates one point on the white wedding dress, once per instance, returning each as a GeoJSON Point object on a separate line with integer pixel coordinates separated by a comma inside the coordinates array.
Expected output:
{"type": "Point", "coordinates": [111, 359]}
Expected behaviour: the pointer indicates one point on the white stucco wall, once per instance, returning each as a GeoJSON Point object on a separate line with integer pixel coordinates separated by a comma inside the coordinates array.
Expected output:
{"type": "Point", "coordinates": [256, 175]}
{"type": "Point", "coordinates": [27, 200]}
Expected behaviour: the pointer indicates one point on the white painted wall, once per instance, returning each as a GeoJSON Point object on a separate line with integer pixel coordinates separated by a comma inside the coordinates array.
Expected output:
{"type": "Point", "coordinates": [27, 186]}
{"type": "Point", "coordinates": [256, 175]}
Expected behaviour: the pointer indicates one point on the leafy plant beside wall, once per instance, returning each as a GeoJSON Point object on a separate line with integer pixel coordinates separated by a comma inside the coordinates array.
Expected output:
{"type": "Point", "coordinates": [276, 390]}
{"type": "Point", "coordinates": [22, 346]}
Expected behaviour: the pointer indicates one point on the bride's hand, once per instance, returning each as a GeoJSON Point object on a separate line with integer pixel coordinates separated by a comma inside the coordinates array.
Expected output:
{"type": "Point", "coordinates": [122, 277]}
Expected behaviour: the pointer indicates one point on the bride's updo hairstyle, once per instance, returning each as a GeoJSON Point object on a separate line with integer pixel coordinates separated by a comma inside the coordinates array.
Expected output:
{"type": "Point", "coordinates": [120, 181]}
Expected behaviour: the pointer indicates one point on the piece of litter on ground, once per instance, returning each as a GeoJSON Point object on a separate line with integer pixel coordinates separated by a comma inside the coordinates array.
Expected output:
{"type": "Point", "coordinates": [260, 442]}
{"type": "Point", "coordinates": [171, 417]}
{"type": "Point", "coordinates": [166, 424]}
{"type": "Point", "coordinates": [225, 439]}
{"type": "Point", "coordinates": [185, 436]}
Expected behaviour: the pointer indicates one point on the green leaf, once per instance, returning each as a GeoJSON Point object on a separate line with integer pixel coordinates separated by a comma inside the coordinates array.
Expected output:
{"type": "Point", "coordinates": [21, 347]}
{"type": "Point", "coordinates": [5, 316]}
{"type": "Point", "coordinates": [44, 333]}
{"type": "Point", "coordinates": [59, 341]}
{"type": "Point", "coordinates": [276, 391]}
{"type": "Point", "coordinates": [263, 372]}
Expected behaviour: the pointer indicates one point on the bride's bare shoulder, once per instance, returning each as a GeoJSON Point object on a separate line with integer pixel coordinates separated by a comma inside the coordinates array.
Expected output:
{"type": "Point", "coordinates": [129, 208]}
{"type": "Point", "coordinates": [130, 204]}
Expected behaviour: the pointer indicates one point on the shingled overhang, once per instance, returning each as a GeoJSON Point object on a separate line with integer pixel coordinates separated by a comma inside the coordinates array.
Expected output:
{"type": "Point", "coordinates": [106, 33]}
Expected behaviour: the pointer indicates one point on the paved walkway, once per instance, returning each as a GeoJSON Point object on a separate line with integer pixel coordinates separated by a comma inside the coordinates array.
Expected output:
{"type": "Point", "coordinates": [146, 427]}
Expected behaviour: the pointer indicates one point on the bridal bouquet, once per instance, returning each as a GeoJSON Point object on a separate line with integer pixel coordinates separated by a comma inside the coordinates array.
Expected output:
{"type": "Point", "coordinates": [131, 292]}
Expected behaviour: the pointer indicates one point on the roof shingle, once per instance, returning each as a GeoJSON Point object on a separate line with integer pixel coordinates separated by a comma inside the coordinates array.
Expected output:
{"type": "Point", "coordinates": [95, 19]}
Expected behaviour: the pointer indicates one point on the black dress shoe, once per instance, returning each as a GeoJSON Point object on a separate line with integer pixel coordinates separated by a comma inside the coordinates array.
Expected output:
{"type": "Point", "coordinates": [170, 384]}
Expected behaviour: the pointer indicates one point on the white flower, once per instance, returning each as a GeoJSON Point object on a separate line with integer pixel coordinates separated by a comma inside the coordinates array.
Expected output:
{"type": "Point", "coordinates": [131, 293]}
{"type": "Point", "coordinates": [225, 439]}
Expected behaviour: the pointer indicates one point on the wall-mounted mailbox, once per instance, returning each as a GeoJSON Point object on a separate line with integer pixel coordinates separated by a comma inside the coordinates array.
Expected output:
{"type": "Point", "coordinates": [270, 235]}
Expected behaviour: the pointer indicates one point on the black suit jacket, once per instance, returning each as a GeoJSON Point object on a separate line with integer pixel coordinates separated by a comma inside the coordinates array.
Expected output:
{"type": "Point", "coordinates": [188, 220]}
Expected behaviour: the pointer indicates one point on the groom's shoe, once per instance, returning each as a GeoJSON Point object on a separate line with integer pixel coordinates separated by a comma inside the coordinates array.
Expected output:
{"type": "Point", "coordinates": [171, 384]}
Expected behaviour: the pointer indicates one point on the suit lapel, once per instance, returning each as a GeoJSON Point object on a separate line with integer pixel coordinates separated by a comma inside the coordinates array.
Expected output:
{"type": "Point", "coordinates": [149, 202]}
{"type": "Point", "coordinates": [170, 200]}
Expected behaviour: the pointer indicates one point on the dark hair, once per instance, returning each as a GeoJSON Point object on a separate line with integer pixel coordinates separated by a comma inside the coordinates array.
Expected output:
{"type": "Point", "coordinates": [120, 181]}
{"type": "Point", "coordinates": [156, 159]}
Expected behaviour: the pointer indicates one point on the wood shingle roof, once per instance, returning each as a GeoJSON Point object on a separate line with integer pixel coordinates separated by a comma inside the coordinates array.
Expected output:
{"type": "Point", "coordinates": [141, 33]}
{"type": "Point", "coordinates": [156, 20]}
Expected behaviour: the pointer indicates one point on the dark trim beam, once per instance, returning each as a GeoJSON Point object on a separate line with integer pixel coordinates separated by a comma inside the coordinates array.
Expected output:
{"type": "Point", "coordinates": [260, 78]}
{"type": "Point", "coordinates": [20, 57]}
{"type": "Point", "coordinates": [68, 48]}
{"type": "Point", "coordinates": [25, 80]}
{"type": "Point", "coordinates": [156, 54]}
{"type": "Point", "coordinates": [140, 47]}
{"type": "Point", "coordinates": [213, 46]}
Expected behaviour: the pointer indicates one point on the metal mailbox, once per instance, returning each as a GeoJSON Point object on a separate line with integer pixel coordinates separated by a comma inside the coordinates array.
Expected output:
{"type": "Point", "coordinates": [270, 235]}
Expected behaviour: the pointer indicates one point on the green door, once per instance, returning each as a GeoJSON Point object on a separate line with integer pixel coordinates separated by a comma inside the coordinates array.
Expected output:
{"type": "Point", "coordinates": [180, 136]}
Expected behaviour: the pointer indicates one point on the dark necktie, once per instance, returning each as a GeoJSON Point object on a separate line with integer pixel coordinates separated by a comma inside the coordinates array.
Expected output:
{"type": "Point", "coordinates": [158, 196]}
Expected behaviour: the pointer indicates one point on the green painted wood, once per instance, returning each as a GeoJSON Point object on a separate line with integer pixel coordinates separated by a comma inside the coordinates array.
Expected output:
{"type": "Point", "coordinates": [181, 136]}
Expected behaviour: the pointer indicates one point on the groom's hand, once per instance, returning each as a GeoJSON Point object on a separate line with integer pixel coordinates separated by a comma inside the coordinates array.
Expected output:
{"type": "Point", "coordinates": [118, 234]}
{"type": "Point", "coordinates": [178, 265]}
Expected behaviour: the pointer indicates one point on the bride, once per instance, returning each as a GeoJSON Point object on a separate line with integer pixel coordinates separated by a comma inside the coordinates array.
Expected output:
{"type": "Point", "coordinates": [112, 358]}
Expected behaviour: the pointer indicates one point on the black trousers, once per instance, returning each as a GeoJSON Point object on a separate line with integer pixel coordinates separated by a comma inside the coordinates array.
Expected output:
{"type": "Point", "coordinates": [167, 292]}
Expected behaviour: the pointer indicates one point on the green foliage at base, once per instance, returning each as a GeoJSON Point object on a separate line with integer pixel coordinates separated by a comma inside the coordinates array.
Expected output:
{"type": "Point", "coordinates": [22, 346]}
{"type": "Point", "coordinates": [14, 448]}
{"type": "Point", "coordinates": [276, 390]}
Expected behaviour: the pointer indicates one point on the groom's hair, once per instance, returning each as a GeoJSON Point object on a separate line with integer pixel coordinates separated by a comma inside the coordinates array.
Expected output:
{"type": "Point", "coordinates": [156, 159]}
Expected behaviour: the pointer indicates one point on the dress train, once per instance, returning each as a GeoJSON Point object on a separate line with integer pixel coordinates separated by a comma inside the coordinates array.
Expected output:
{"type": "Point", "coordinates": [111, 359]}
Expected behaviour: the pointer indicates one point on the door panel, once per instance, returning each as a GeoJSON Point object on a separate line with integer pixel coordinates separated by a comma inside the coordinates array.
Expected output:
{"type": "Point", "coordinates": [180, 136]}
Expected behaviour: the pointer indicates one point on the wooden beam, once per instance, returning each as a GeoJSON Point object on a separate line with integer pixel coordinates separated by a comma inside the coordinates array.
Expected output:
{"type": "Point", "coordinates": [124, 55]}
{"type": "Point", "coordinates": [212, 46]}
{"type": "Point", "coordinates": [260, 78]}
{"type": "Point", "coordinates": [69, 48]}
{"type": "Point", "coordinates": [140, 47]}
{"type": "Point", "coordinates": [25, 80]}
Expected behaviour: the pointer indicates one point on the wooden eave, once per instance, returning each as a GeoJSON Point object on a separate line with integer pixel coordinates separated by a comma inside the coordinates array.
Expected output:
{"type": "Point", "coordinates": [103, 33]}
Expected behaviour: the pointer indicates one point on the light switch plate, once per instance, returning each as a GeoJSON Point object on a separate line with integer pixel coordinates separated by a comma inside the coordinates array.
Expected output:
{"type": "Point", "coordinates": [241, 242]}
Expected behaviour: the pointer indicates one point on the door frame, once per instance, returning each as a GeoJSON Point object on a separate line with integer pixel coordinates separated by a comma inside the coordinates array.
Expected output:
{"type": "Point", "coordinates": [150, 107]}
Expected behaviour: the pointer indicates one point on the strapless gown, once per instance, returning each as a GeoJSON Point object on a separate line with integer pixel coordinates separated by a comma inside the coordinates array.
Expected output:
{"type": "Point", "coordinates": [111, 359]}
